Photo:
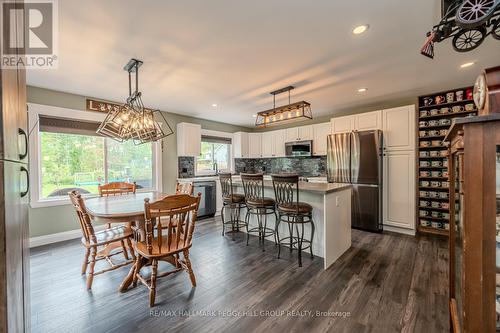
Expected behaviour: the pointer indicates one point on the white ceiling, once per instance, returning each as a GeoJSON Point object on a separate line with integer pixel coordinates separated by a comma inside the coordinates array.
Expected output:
{"type": "Point", "coordinates": [199, 52]}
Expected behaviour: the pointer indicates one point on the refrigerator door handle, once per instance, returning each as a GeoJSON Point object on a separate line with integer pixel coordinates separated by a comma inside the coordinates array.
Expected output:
{"type": "Point", "coordinates": [25, 153]}
{"type": "Point", "coordinates": [24, 193]}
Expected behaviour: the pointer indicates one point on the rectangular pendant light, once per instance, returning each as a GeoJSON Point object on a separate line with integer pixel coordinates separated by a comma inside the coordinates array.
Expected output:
{"type": "Point", "coordinates": [290, 112]}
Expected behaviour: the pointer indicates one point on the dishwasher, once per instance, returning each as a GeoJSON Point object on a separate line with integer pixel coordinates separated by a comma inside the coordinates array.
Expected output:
{"type": "Point", "coordinates": [208, 192]}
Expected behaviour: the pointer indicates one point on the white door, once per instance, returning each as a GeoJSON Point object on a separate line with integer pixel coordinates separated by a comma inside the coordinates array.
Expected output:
{"type": "Point", "coordinates": [254, 145]}
{"type": "Point", "coordinates": [399, 128]}
{"type": "Point", "coordinates": [292, 134]}
{"type": "Point", "coordinates": [279, 143]}
{"type": "Point", "coordinates": [368, 121]}
{"type": "Point", "coordinates": [305, 133]}
{"type": "Point", "coordinates": [267, 144]}
{"type": "Point", "coordinates": [321, 132]}
{"type": "Point", "coordinates": [342, 124]}
{"type": "Point", "coordinates": [399, 189]}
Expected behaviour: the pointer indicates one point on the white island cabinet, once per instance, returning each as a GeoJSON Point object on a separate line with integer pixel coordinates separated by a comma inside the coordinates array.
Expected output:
{"type": "Point", "coordinates": [331, 215]}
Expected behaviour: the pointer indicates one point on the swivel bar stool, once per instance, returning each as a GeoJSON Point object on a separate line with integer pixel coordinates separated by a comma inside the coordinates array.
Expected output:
{"type": "Point", "coordinates": [294, 213]}
{"type": "Point", "coordinates": [258, 205]}
{"type": "Point", "coordinates": [233, 202]}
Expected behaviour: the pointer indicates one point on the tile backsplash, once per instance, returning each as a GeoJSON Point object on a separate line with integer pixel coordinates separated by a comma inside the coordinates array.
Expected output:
{"type": "Point", "coordinates": [305, 166]}
{"type": "Point", "coordinates": [186, 166]}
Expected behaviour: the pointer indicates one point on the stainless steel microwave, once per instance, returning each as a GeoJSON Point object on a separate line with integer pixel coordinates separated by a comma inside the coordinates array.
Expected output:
{"type": "Point", "coordinates": [298, 148]}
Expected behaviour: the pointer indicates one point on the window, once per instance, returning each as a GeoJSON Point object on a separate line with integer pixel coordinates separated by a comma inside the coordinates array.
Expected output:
{"type": "Point", "coordinates": [73, 156]}
{"type": "Point", "coordinates": [215, 155]}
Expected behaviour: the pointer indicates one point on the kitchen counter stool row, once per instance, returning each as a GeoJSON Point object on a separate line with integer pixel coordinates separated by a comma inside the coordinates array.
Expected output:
{"type": "Point", "coordinates": [286, 208]}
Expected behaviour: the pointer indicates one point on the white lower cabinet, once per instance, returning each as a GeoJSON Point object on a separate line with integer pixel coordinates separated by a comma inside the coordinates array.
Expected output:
{"type": "Point", "coordinates": [399, 189]}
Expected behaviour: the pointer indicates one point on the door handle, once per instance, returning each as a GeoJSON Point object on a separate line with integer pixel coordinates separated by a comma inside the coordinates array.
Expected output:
{"type": "Point", "coordinates": [24, 193]}
{"type": "Point", "coordinates": [23, 133]}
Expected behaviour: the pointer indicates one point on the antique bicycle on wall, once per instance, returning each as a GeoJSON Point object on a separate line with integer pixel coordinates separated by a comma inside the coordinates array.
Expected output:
{"type": "Point", "coordinates": [468, 23]}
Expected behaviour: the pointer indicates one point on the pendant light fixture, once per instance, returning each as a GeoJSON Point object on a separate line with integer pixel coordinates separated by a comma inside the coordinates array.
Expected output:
{"type": "Point", "coordinates": [132, 120]}
{"type": "Point", "coordinates": [290, 112]}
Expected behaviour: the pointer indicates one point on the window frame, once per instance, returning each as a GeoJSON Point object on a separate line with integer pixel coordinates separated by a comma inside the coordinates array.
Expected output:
{"type": "Point", "coordinates": [205, 132]}
{"type": "Point", "coordinates": [37, 110]}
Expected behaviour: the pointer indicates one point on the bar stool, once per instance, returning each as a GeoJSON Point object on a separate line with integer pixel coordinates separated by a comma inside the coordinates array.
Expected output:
{"type": "Point", "coordinates": [259, 206]}
{"type": "Point", "coordinates": [232, 201]}
{"type": "Point", "coordinates": [293, 212]}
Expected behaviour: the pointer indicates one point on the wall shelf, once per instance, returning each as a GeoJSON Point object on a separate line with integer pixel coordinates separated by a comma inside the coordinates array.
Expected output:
{"type": "Point", "coordinates": [450, 116]}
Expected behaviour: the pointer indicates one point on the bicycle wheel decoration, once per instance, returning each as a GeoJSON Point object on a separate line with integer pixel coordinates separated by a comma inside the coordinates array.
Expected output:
{"type": "Point", "coordinates": [468, 39]}
{"type": "Point", "coordinates": [473, 13]}
{"type": "Point", "coordinates": [468, 23]}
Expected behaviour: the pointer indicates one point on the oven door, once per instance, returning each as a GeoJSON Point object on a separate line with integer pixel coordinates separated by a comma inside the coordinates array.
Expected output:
{"type": "Point", "coordinates": [298, 148]}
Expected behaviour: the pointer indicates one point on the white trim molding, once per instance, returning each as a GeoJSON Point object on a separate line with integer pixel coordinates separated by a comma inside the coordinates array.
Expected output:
{"type": "Point", "coordinates": [34, 112]}
{"type": "Point", "coordinates": [59, 237]}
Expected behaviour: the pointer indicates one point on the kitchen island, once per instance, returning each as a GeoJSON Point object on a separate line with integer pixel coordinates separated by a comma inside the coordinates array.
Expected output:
{"type": "Point", "coordinates": [331, 215]}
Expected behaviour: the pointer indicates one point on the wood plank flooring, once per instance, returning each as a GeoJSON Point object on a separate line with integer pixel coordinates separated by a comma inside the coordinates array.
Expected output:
{"type": "Point", "coordinates": [384, 283]}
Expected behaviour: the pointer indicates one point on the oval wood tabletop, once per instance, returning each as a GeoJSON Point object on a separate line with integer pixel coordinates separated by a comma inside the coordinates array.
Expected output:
{"type": "Point", "coordinates": [129, 207]}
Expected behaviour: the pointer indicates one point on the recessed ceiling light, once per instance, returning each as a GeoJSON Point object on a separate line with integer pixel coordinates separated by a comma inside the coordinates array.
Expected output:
{"type": "Point", "coordinates": [362, 90]}
{"type": "Point", "coordinates": [467, 64]}
{"type": "Point", "coordinates": [214, 105]}
{"type": "Point", "coordinates": [360, 29]}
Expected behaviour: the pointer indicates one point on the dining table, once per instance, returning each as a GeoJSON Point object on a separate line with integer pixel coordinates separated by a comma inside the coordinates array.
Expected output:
{"type": "Point", "coordinates": [125, 208]}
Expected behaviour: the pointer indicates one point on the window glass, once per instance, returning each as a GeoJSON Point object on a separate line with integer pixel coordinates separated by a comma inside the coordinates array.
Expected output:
{"type": "Point", "coordinates": [70, 161]}
{"type": "Point", "coordinates": [128, 162]}
{"type": "Point", "coordinates": [213, 156]}
{"type": "Point", "coordinates": [82, 162]}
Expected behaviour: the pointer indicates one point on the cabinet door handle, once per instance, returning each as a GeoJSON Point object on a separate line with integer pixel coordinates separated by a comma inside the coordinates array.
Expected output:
{"type": "Point", "coordinates": [24, 193]}
{"type": "Point", "coordinates": [25, 153]}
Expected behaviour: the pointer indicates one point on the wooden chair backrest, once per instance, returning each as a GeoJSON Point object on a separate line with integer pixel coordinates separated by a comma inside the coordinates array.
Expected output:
{"type": "Point", "coordinates": [226, 184]}
{"type": "Point", "coordinates": [83, 217]}
{"type": "Point", "coordinates": [184, 188]}
{"type": "Point", "coordinates": [177, 215]}
{"type": "Point", "coordinates": [116, 188]}
{"type": "Point", "coordinates": [286, 189]}
{"type": "Point", "coordinates": [253, 186]}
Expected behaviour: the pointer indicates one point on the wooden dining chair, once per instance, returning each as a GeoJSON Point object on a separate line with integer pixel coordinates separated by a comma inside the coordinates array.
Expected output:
{"type": "Point", "coordinates": [158, 245]}
{"type": "Point", "coordinates": [94, 240]}
{"type": "Point", "coordinates": [184, 188]}
{"type": "Point", "coordinates": [116, 188]}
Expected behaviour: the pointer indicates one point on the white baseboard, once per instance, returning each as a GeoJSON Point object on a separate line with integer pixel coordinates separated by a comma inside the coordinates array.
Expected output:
{"type": "Point", "coordinates": [410, 232]}
{"type": "Point", "coordinates": [59, 237]}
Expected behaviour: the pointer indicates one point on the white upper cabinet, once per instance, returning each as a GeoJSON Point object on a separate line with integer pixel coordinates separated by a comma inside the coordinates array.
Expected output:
{"type": "Point", "coordinates": [291, 134]}
{"type": "Point", "coordinates": [254, 145]}
{"type": "Point", "coordinates": [273, 144]}
{"type": "Point", "coordinates": [368, 121]}
{"type": "Point", "coordinates": [399, 128]}
{"type": "Point", "coordinates": [240, 145]}
{"type": "Point", "coordinates": [188, 139]}
{"type": "Point", "coordinates": [268, 144]}
{"type": "Point", "coordinates": [279, 143]}
{"type": "Point", "coordinates": [305, 133]}
{"type": "Point", "coordinates": [321, 132]}
{"type": "Point", "coordinates": [301, 133]}
{"type": "Point", "coordinates": [342, 124]}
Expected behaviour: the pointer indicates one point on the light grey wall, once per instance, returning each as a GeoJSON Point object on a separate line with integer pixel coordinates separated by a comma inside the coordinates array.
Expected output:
{"type": "Point", "coordinates": [49, 220]}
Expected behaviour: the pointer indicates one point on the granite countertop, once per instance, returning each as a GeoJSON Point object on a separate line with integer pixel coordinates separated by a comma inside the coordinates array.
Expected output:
{"type": "Point", "coordinates": [323, 188]}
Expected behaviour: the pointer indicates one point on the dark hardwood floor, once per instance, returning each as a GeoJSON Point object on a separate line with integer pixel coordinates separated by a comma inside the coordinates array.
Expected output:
{"type": "Point", "coordinates": [384, 283]}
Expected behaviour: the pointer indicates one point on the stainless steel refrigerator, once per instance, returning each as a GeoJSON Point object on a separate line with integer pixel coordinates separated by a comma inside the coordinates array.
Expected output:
{"type": "Point", "coordinates": [356, 158]}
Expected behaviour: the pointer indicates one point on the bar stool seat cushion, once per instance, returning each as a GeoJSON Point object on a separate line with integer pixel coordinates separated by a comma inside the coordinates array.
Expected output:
{"type": "Point", "coordinates": [301, 207]}
{"type": "Point", "coordinates": [235, 198]}
{"type": "Point", "coordinates": [264, 202]}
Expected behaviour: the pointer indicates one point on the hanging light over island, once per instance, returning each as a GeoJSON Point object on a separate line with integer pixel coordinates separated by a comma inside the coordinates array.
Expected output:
{"type": "Point", "coordinates": [286, 113]}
